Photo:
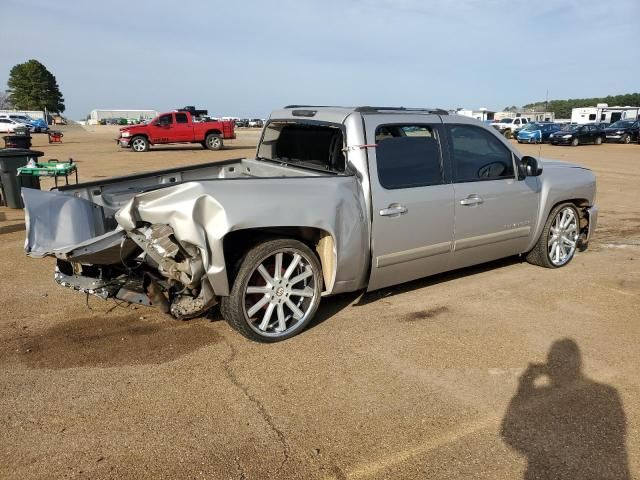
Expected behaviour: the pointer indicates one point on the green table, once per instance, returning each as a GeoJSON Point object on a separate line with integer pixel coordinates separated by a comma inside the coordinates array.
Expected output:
{"type": "Point", "coordinates": [52, 168]}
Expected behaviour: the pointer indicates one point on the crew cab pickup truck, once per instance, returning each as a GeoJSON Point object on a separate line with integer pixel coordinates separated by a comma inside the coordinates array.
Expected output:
{"type": "Point", "coordinates": [335, 200]}
{"type": "Point", "coordinates": [510, 126]}
{"type": "Point", "coordinates": [176, 127]}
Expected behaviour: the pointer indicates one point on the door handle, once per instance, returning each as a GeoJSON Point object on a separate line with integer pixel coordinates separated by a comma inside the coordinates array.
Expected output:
{"type": "Point", "coordinates": [471, 200]}
{"type": "Point", "coordinates": [393, 210]}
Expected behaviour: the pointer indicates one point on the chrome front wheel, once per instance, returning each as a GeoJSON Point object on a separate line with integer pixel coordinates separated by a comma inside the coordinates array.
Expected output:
{"type": "Point", "coordinates": [563, 236]}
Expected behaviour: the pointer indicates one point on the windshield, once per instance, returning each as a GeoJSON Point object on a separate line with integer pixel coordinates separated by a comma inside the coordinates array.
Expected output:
{"type": "Point", "coordinates": [570, 127]}
{"type": "Point", "coordinates": [506, 120]}
{"type": "Point", "coordinates": [314, 145]}
{"type": "Point", "coordinates": [621, 124]}
{"type": "Point", "coordinates": [533, 126]}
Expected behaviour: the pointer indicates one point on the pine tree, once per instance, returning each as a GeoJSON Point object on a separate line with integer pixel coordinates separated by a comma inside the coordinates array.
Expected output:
{"type": "Point", "coordinates": [33, 87]}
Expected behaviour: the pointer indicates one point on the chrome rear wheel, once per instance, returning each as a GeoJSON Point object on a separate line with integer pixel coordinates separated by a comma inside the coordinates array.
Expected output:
{"type": "Point", "coordinates": [276, 292]}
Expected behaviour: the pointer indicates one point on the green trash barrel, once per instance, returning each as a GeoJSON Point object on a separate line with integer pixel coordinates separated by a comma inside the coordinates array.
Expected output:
{"type": "Point", "coordinates": [10, 160]}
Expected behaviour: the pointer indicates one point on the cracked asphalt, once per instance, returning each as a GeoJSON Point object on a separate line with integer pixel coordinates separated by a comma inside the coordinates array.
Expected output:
{"type": "Point", "coordinates": [501, 371]}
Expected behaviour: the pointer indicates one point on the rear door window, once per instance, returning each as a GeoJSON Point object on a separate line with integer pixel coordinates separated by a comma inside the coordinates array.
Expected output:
{"type": "Point", "coordinates": [408, 156]}
{"type": "Point", "coordinates": [181, 118]}
{"type": "Point", "coordinates": [478, 155]}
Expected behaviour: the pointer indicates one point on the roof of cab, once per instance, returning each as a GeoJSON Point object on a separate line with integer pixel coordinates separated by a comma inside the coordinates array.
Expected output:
{"type": "Point", "coordinates": [338, 114]}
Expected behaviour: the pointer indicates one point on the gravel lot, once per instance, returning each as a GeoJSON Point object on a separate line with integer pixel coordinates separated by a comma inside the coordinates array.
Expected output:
{"type": "Point", "coordinates": [417, 381]}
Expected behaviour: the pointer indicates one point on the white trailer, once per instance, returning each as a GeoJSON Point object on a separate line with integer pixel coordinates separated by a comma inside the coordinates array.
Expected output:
{"type": "Point", "coordinates": [603, 113]}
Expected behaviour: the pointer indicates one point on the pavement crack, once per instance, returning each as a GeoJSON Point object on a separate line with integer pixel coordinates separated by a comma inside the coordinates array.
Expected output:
{"type": "Point", "coordinates": [266, 416]}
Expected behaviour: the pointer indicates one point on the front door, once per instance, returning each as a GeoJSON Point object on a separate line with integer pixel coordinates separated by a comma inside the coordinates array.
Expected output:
{"type": "Point", "coordinates": [160, 130]}
{"type": "Point", "coordinates": [494, 211]}
{"type": "Point", "coordinates": [412, 200]}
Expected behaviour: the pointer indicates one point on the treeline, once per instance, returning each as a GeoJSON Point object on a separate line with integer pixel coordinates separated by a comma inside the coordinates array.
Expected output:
{"type": "Point", "coordinates": [562, 108]}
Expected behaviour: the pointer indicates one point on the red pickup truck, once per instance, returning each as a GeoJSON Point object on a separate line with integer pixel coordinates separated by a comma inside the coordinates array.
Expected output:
{"type": "Point", "coordinates": [176, 127]}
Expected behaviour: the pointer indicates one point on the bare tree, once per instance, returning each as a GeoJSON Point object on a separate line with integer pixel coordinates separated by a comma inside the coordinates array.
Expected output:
{"type": "Point", "coordinates": [5, 103]}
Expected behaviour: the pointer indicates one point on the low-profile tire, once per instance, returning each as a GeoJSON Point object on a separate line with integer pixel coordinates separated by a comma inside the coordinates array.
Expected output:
{"type": "Point", "coordinates": [598, 141]}
{"type": "Point", "coordinates": [575, 142]}
{"type": "Point", "coordinates": [626, 138]}
{"type": "Point", "coordinates": [557, 244]}
{"type": "Point", "coordinates": [139, 144]}
{"type": "Point", "coordinates": [213, 142]}
{"type": "Point", "coordinates": [276, 291]}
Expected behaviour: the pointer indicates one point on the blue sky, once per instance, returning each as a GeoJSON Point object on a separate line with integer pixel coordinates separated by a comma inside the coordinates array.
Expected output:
{"type": "Point", "coordinates": [249, 57]}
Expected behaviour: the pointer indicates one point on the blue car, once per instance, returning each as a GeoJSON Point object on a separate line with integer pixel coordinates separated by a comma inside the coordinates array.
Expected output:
{"type": "Point", "coordinates": [537, 132]}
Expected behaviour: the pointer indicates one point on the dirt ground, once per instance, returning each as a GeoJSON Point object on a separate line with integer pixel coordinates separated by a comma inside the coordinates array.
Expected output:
{"type": "Point", "coordinates": [416, 381]}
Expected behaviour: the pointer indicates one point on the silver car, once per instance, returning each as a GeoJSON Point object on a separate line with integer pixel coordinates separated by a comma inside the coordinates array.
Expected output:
{"type": "Point", "coordinates": [335, 200]}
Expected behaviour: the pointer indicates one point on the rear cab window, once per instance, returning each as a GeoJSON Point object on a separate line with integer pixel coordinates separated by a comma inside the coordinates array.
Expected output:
{"type": "Point", "coordinates": [314, 145]}
{"type": "Point", "coordinates": [408, 156]}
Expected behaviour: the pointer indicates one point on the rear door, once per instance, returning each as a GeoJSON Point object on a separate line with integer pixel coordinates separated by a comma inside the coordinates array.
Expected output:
{"type": "Point", "coordinates": [412, 199]}
{"type": "Point", "coordinates": [494, 210]}
{"type": "Point", "coordinates": [182, 130]}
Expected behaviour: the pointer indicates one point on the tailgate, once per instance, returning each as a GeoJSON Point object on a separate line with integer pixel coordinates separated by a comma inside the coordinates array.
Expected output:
{"type": "Point", "coordinates": [56, 223]}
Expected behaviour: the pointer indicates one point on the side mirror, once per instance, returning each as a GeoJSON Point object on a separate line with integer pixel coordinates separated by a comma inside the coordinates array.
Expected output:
{"type": "Point", "coordinates": [530, 166]}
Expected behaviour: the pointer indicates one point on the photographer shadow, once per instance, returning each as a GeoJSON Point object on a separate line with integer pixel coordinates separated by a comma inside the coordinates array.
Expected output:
{"type": "Point", "coordinates": [566, 425]}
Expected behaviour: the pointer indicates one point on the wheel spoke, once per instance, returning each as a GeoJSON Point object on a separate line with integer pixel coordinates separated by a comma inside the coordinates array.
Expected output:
{"type": "Point", "coordinates": [282, 323]}
{"type": "Point", "coordinates": [297, 313]}
{"type": "Point", "coordinates": [251, 290]}
{"type": "Point", "coordinates": [307, 292]}
{"type": "Point", "coordinates": [265, 274]}
{"type": "Point", "coordinates": [277, 273]}
{"type": "Point", "coordinates": [258, 305]}
{"type": "Point", "coordinates": [267, 317]}
{"type": "Point", "coordinates": [306, 274]}
{"type": "Point", "coordinates": [292, 266]}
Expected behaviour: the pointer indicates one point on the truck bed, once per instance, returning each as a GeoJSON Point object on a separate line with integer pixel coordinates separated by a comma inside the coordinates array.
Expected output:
{"type": "Point", "coordinates": [70, 215]}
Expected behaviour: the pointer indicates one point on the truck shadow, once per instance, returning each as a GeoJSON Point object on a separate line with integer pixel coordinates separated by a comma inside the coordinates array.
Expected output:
{"type": "Point", "coordinates": [564, 423]}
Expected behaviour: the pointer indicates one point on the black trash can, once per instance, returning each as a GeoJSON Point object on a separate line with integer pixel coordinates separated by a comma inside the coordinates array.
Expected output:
{"type": "Point", "coordinates": [10, 183]}
{"type": "Point", "coordinates": [17, 141]}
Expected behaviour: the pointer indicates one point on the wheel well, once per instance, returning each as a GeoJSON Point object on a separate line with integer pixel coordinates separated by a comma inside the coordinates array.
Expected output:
{"type": "Point", "coordinates": [582, 204]}
{"type": "Point", "coordinates": [237, 243]}
{"type": "Point", "coordinates": [209, 132]}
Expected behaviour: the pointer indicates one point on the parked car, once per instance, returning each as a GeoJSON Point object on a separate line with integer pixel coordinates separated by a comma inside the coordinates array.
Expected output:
{"type": "Point", "coordinates": [256, 123]}
{"type": "Point", "coordinates": [536, 132]}
{"type": "Point", "coordinates": [623, 131]}
{"type": "Point", "coordinates": [577, 134]}
{"type": "Point", "coordinates": [8, 125]}
{"type": "Point", "coordinates": [342, 199]}
{"type": "Point", "coordinates": [242, 122]}
{"type": "Point", "coordinates": [176, 127]}
{"type": "Point", "coordinates": [36, 125]}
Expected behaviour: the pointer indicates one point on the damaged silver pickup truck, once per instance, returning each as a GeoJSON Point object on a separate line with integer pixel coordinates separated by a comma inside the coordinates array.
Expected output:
{"type": "Point", "coordinates": [335, 200]}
